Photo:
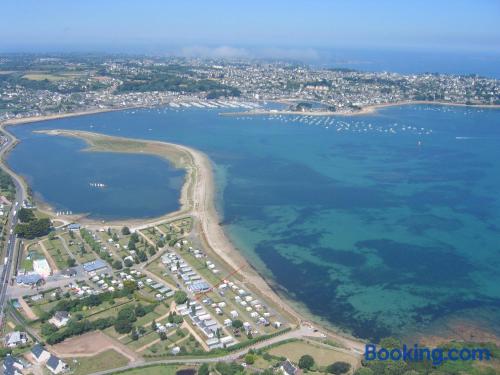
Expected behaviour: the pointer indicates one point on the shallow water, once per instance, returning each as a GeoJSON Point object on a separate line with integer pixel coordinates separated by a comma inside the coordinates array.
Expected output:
{"type": "Point", "coordinates": [376, 230]}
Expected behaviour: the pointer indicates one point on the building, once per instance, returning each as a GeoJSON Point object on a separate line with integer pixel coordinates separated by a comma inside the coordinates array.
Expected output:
{"type": "Point", "coordinates": [199, 287]}
{"type": "Point", "coordinates": [29, 279]}
{"type": "Point", "coordinates": [12, 366]}
{"type": "Point", "coordinates": [41, 267]}
{"type": "Point", "coordinates": [73, 227]}
{"type": "Point", "coordinates": [95, 265]}
{"type": "Point", "coordinates": [15, 338]}
{"type": "Point", "coordinates": [39, 353]}
{"type": "Point", "coordinates": [56, 365]}
{"type": "Point", "coordinates": [288, 368]}
{"type": "Point", "coordinates": [60, 319]}
{"type": "Point", "coordinates": [69, 272]}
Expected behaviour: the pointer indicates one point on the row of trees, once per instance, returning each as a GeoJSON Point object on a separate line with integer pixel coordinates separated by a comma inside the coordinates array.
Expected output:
{"type": "Point", "coordinates": [30, 226]}
{"type": "Point", "coordinates": [75, 328]}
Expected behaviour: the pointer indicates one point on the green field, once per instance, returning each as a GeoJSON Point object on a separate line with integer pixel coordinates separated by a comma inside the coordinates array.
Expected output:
{"type": "Point", "coordinates": [323, 355]}
{"type": "Point", "coordinates": [106, 360]}
{"type": "Point", "coordinates": [152, 370]}
{"type": "Point", "coordinates": [57, 252]}
{"type": "Point", "coordinates": [43, 76]}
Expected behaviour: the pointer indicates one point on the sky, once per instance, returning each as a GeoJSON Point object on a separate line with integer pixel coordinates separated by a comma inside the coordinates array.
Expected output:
{"type": "Point", "coordinates": [242, 28]}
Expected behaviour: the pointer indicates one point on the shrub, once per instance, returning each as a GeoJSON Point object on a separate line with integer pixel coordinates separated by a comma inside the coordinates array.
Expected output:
{"type": "Point", "coordinates": [338, 368]}
{"type": "Point", "coordinates": [306, 362]}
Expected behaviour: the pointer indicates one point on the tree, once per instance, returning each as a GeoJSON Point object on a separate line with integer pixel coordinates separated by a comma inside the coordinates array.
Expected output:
{"type": "Point", "coordinates": [134, 335]}
{"type": "Point", "coordinates": [128, 262]}
{"type": "Point", "coordinates": [127, 313]}
{"type": "Point", "coordinates": [48, 329]}
{"type": "Point", "coordinates": [204, 369]}
{"type": "Point", "coordinates": [237, 324]}
{"type": "Point", "coordinates": [306, 362]}
{"type": "Point", "coordinates": [250, 359]}
{"type": "Point", "coordinates": [71, 262]}
{"type": "Point", "coordinates": [142, 256]}
{"type": "Point", "coordinates": [131, 245]}
{"type": "Point", "coordinates": [117, 265]}
{"type": "Point", "coordinates": [338, 368]}
{"type": "Point", "coordinates": [123, 326]}
{"type": "Point", "coordinates": [153, 325]}
{"type": "Point", "coordinates": [25, 215]}
{"type": "Point", "coordinates": [125, 231]}
{"type": "Point", "coordinates": [130, 285]}
{"type": "Point", "coordinates": [180, 297]}
{"type": "Point", "coordinates": [140, 310]}
{"type": "Point", "coordinates": [34, 228]}
{"type": "Point", "coordinates": [390, 343]}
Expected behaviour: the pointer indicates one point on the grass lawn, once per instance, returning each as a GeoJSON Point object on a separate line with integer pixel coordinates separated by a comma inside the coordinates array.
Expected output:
{"type": "Point", "coordinates": [153, 370]}
{"type": "Point", "coordinates": [75, 249]}
{"type": "Point", "coordinates": [110, 310]}
{"type": "Point", "coordinates": [57, 252]}
{"type": "Point", "coordinates": [27, 264]}
{"type": "Point", "coordinates": [106, 360]}
{"type": "Point", "coordinates": [323, 356]}
{"type": "Point", "coordinates": [43, 76]}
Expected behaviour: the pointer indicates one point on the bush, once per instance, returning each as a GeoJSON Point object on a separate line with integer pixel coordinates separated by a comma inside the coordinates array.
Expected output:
{"type": "Point", "coordinates": [125, 231]}
{"type": "Point", "coordinates": [306, 362]}
{"type": "Point", "coordinates": [250, 359]}
{"type": "Point", "coordinates": [123, 326]}
{"type": "Point", "coordinates": [364, 371]}
{"type": "Point", "coordinates": [338, 368]}
{"type": "Point", "coordinates": [180, 297]}
{"type": "Point", "coordinates": [204, 369]}
{"type": "Point", "coordinates": [140, 310]}
{"type": "Point", "coordinates": [237, 324]}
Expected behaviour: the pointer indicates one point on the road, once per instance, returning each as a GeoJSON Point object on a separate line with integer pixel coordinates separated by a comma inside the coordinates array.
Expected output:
{"type": "Point", "coordinates": [11, 239]}
{"type": "Point", "coordinates": [301, 332]}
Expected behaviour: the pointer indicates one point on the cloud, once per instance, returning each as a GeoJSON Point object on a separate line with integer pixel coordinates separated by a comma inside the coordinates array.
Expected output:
{"type": "Point", "coordinates": [225, 52]}
{"type": "Point", "coordinates": [228, 52]}
{"type": "Point", "coordinates": [290, 53]}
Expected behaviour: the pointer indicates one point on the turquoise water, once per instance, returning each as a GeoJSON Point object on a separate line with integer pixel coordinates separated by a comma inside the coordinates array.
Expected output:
{"type": "Point", "coordinates": [382, 224]}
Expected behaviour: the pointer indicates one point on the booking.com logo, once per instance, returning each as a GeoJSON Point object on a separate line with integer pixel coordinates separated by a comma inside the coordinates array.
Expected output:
{"type": "Point", "coordinates": [419, 354]}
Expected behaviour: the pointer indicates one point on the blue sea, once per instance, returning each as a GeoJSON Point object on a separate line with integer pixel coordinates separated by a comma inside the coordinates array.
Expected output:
{"type": "Point", "coordinates": [387, 224]}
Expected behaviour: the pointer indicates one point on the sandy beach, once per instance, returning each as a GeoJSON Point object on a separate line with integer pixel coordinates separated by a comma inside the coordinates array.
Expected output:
{"type": "Point", "coordinates": [197, 201]}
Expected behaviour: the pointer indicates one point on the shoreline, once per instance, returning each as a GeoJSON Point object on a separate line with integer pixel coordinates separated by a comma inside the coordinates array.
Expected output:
{"type": "Point", "coordinates": [366, 110]}
{"type": "Point", "coordinates": [363, 111]}
{"type": "Point", "coordinates": [197, 201]}
{"type": "Point", "coordinates": [229, 251]}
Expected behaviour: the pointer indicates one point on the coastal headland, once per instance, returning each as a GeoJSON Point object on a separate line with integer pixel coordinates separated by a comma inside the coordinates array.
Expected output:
{"type": "Point", "coordinates": [197, 201]}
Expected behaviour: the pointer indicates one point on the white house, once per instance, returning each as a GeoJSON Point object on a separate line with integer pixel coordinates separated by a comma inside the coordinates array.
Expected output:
{"type": "Point", "coordinates": [39, 353]}
{"type": "Point", "coordinates": [56, 365]}
{"type": "Point", "coordinates": [15, 338]}
{"type": "Point", "coordinates": [60, 319]}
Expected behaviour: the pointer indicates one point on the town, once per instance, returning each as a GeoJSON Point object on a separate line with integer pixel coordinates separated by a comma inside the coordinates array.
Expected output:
{"type": "Point", "coordinates": [33, 85]}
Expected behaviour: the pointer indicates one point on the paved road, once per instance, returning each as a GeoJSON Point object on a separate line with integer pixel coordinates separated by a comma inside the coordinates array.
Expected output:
{"type": "Point", "coordinates": [303, 331]}
{"type": "Point", "coordinates": [11, 239]}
